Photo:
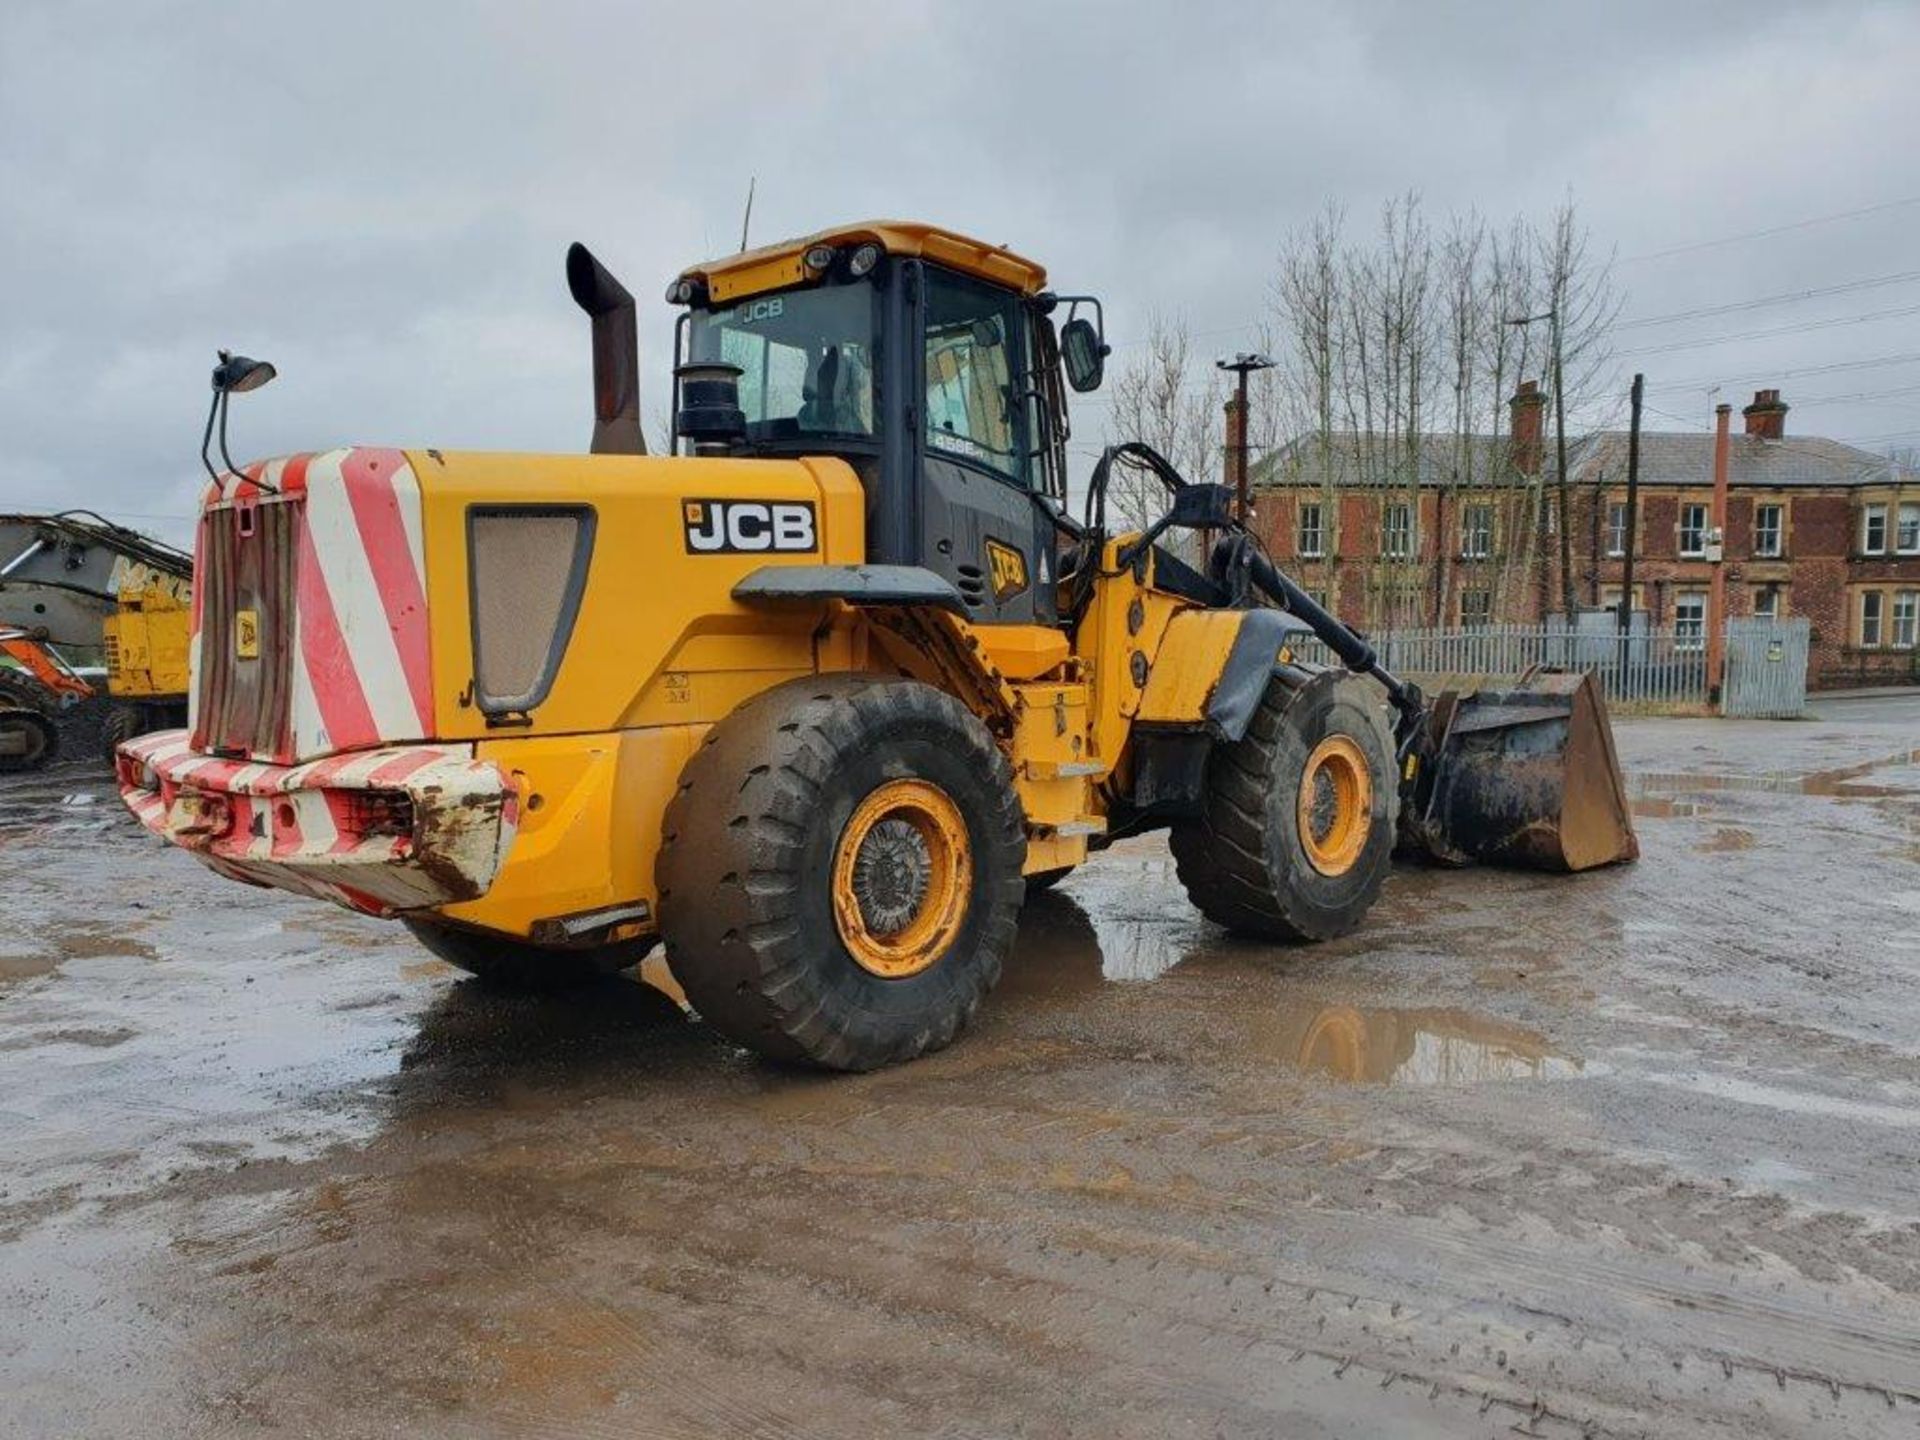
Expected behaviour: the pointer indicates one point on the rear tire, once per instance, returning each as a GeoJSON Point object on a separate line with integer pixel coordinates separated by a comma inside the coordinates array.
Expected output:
{"type": "Point", "coordinates": [1262, 863]}
{"type": "Point", "coordinates": [509, 964]}
{"type": "Point", "coordinates": [839, 877]}
{"type": "Point", "coordinates": [41, 736]}
{"type": "Point", "coordinates": [124, 723]}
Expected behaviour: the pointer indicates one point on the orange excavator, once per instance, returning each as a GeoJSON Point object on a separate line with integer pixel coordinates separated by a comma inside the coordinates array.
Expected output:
{"type": "Point", "coordinates": [76, 584]}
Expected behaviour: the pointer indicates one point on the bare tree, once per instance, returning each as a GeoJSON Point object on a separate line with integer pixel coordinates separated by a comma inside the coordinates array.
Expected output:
{"type": "Point", "coordinates": [1162, 398]}
{"type": "Point", "coordinates": [1582, 306]}
{"type": "Point", "coordinates": [1309, 319]}
{"type": "Point", "coordinates": [1393, 343]}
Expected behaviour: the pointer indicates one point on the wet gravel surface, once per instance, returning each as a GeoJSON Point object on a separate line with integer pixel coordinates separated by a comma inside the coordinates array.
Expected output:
{"type": "Point", "coordinates": [1632, 1153]}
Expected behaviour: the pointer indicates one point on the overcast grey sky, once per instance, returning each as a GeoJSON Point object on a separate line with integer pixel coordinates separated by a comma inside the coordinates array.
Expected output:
{"type": "Point", "coordinates": [378, 196]}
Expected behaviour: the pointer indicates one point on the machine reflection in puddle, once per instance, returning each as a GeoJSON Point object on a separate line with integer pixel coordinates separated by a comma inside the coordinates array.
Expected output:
{"type": "Point", "coordinates": [1416, 1047]}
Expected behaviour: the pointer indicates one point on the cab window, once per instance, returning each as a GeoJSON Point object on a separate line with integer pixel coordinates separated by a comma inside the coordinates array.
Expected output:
{"type": "Point", "coordinates": [974, 382]}
{"type": "Point", "coordinates": [805, 358]}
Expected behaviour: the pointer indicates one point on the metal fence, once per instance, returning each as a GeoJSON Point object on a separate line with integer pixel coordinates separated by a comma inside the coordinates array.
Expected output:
{"type": "Point", "coordinates": [1652, 670]}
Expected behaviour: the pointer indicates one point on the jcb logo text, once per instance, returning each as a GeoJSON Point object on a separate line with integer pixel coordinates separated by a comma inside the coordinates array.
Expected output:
{"type": "Point", "coordinates": [729, 527]}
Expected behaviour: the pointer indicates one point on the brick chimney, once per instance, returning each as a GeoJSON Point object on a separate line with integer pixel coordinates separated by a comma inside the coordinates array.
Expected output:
{"type": "Point", "coordinates": [1767, 415]}
{"type": "Point", "coordinates": [1528, 410]}
{"type": "Point", "coordinates": [1236, 457]}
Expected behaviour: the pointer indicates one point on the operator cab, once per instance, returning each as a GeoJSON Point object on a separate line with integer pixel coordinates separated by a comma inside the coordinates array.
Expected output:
{"type": "Point", "coordinates": [931, 364]}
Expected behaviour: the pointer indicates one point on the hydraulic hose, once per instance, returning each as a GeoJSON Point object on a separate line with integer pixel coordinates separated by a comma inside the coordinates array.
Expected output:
{"type": "Point", "coordinates": [1352, 648]}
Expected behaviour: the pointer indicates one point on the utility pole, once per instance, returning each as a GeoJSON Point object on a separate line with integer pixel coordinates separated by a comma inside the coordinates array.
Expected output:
{"type": "Point", "coordinates": [1716, 557]}
{"type": "Point", "coordinates": [1633, 520]}
{"type": "Point", "coordinates": [1566, 494]}
{"type": "Point", "coordinates": [1241, 365]}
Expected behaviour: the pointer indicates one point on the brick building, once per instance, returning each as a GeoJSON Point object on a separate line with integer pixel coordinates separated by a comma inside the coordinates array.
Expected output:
{"type": "Point", "coordinates": [1449, 530]}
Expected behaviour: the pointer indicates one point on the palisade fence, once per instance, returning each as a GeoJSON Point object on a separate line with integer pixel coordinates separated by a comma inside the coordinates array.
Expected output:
{"type": "Point", "coordinates": [1653, 671]}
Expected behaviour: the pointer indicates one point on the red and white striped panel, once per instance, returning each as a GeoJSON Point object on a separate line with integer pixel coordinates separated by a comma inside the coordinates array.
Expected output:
{"type": "Point", "coordinates": [294, 827]}
{"type": "Point", "coordinates": [362, 672]}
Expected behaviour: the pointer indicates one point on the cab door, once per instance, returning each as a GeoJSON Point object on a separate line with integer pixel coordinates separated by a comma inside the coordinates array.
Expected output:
{"type": "Point", "coordinates": [980, 524]}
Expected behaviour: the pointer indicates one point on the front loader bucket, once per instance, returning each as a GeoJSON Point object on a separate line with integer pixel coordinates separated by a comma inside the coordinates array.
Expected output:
{"type": "Point", "coordinates": [1524, 776]}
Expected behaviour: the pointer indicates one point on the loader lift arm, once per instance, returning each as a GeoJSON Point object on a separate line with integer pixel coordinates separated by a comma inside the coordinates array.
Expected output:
{"type": "Point", "coordinates": [1523, 774]}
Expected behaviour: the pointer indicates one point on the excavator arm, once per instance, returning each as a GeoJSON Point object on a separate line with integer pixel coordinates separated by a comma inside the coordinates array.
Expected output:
{"type": "Point", "coordinates": [63, 579]}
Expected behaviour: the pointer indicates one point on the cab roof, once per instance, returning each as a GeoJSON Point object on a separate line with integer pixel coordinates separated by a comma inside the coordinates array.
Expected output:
{"type": "Point", "coordinates": [773, 267]}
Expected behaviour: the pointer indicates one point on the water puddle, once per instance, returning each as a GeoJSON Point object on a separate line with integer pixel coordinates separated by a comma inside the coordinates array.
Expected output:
{"type": "Point", "coordinates": [1665, 807]}
{"type": "Point", "coordinates": [1379, 1046]}
{"type": "Point", "coordinates": [1653, 788]}
{"type": "Point", "coordinates": [1725, 839]}
{"type": "Point", "coordinates": [1261, 1014]}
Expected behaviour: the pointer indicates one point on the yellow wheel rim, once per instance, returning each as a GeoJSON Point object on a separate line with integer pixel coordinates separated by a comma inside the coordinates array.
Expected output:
{"type": "Point", "coordinates": [1336, 805]}
{"type": "Point", "coordinates": [901, 877]}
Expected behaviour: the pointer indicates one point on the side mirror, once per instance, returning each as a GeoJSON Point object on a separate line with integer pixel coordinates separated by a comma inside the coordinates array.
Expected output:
{"type": "Point", "coordinates": [1201, 507]}
{"type": "Point", "coordinates": [1083, 353]}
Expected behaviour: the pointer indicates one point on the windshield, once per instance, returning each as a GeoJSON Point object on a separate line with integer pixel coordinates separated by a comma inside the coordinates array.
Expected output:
{"type": "Point", "coordinates": [805, 358]}
{"type": "Point", "coordinates": [973, 403]}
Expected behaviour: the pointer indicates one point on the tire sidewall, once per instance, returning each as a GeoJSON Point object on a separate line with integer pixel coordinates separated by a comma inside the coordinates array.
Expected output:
{"type": "Point", "coordinates": [906, 752]}
{"type": "Point", "coordinates": [1319, 711]}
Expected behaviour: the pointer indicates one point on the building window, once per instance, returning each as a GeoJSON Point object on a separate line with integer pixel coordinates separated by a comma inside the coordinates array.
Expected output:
{"type": "Point", "coordinates": [1872, 606]}
{"type": "Point", "coordinates": [1617, 528]}
{"type": "Point", "coordinates": [1906, 616]}
{"type": "Point", "coordinates": [1396, 531]}
{"type": "Point", "coordinates": [1312, 532]}
{"type": "Point", "coordinates": [1689, 620]}
{"type": "Point", "coordinates": [1873, 530]}
{"type": "Point", "coordinates": [1907, 534]}
{"type": "Point", "coordinates": [1693, 529]}
{"type": "Point", "coordinates": [1476, 532]}
{"type": "Point", "coordinates": [1476, 608]}
{"type": "Point", "coordinates": [1766, 530]}
{"type": "Point", "coordinates": [1766, 602]}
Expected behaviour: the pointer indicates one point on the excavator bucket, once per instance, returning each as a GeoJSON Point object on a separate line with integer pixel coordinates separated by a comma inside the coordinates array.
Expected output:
{"type": "Point", "coordinates": [1523, 776]}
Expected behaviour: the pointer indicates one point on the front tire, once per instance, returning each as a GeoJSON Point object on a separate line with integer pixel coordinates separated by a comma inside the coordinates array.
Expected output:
{"type": "Point", "coordinates": [839, 877]}
{"type": "Point", "coordinates": [509, 964]}
{"type": "Point", "coordinates": [1295, 838]}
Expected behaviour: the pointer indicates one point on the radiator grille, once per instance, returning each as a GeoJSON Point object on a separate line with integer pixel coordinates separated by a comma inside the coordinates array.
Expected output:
{"type": "Point", "coordinates": [528, 566]}
{"type": "Point", "coordinates": [247, 577]}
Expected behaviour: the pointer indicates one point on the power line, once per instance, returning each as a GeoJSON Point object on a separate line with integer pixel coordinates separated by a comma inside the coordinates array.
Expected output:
{"type": "Point", "coordinates": [1773, 230]}
{"type": "Point", "coordinates": [1849, 287]}
{"type": "Point", "coordinates": [1830, 369]}
{"type": "Point", "coordinates": [1858, 395]}
{"type": "Point", "coordinates": [1798, 328]}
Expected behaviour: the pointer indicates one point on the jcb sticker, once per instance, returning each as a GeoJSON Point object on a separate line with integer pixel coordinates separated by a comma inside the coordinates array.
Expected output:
{"type": "Point", "coordinates": [246, 634]}
{"type": "Point", "coordinates": [730, 527]}
{"type": "Point", "coordinates": [1009, 568]}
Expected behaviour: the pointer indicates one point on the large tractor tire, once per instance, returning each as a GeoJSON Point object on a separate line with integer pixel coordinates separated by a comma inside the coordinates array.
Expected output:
{"type": "Point", "coordinates": [839, 874]}
{"type": "Point", "coordinates": [508, 964]}
{"type": "Point", "coordinates": [29, 722]}
{"type": "Point", "coordinates": [124, 723]}
{"type": "Point", "coordinates": [28, 739]}
{"type": "Point", "coordinates": [1296, 833]}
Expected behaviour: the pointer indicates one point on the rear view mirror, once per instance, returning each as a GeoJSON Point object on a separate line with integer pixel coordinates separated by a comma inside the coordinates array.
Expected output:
{"type": "Point", "coordinates": [1083, 353]}
{"type": "Point", "coordinates": [1201, 507]}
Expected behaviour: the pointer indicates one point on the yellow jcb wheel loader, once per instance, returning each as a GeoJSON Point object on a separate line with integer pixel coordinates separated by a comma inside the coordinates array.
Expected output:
{"type": "Point", "coordinates": [818, 698]}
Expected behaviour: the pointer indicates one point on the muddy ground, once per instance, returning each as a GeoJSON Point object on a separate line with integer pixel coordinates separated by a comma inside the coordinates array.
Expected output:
{"type": "Point", "coordinates": [1633, 1153]}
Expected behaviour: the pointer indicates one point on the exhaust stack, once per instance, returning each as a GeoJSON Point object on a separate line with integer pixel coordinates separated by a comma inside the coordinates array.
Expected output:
{"type": "Point", "coordinates": [616, 354]}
